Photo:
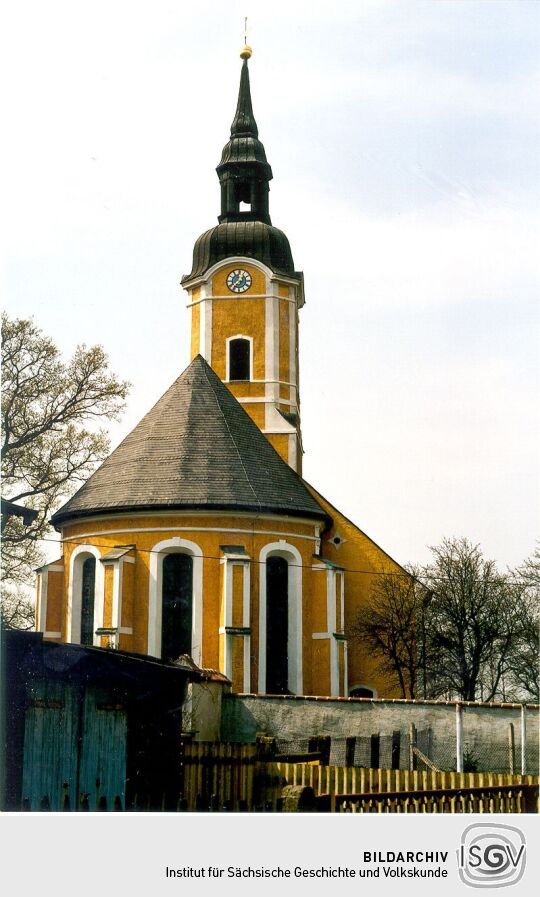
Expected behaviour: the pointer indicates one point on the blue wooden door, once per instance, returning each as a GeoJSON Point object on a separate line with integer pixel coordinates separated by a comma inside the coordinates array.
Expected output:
{"type": "Point", "coordinates": [50, 745]}
{"type": "Point", "coordinates": [102, 771]}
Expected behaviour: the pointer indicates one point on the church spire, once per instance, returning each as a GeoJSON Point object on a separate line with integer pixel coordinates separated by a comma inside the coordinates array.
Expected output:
{"type": "Point", "coordinates": [243, 171]}
{"type": "Point", "coordinates": [244, 124]}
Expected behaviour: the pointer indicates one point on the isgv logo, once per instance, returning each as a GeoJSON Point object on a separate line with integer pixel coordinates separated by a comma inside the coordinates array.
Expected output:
{"type": "Point", "coordinates": [491, 855]}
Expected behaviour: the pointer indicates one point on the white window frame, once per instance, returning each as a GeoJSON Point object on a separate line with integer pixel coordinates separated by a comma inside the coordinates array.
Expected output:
{"type": "Point", "coordinates": [228, 341]}
{"type": "Point", "coordinates": [78, 557]}
{"type": "Point", "coordinates": [293, 557]}
{"type": "Point", "coordinates": [158, 554]}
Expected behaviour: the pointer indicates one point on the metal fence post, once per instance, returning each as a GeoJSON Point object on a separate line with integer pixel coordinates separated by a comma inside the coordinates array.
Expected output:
{"type": "Point", "coordinates": [459, 737]}
{"type": "Point", "coordinates": [412, 743]}
{"type": "Point", "coordinates": [523, 740]}
{"type": "Point", "coordinates": [511, 749]}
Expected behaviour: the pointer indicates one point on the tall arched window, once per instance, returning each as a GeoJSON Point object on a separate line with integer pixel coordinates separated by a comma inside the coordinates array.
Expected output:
{"type": "Point", "coordinates": [85, 595]}
{"type": "Point", "coordinates": [177, 606]}
{"type": "Point", "coordinates": [277, 626]}
{"type": "Point", "coordinates": [88, 587]}
{"type": "Point", "coordinates": [280, 619]}
{"type": "Point", "coordinates": [239, 359]}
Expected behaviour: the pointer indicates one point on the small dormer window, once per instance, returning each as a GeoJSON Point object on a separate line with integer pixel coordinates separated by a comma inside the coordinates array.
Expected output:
{"type": "Point", "coordinates": [239, 359]}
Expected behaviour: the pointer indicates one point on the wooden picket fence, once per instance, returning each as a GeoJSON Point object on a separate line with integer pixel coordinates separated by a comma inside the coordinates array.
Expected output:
{"type": "Point", "coordinates": [238, 777]}
{"type": "Point", "coordinates": [516, 798]}
{"type": "Point", "coordinates": [221, 774]}
{"type": "Point", "coordinates": [227, 777]}
{"type": "Point", "coordinates": [350, 789]}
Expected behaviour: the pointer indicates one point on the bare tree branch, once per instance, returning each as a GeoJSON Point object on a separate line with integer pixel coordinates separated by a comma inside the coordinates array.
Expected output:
{"type": "Point", "coordinates": [17, 610]}
{"type": "Point", "coordinates": [458, 627]}
{"type": "Point", "coordinates": [474, 622]}
{"type": "Point", "coordinates": [387, 626]}
{"type": "Point", "coordinates": [49, 444]}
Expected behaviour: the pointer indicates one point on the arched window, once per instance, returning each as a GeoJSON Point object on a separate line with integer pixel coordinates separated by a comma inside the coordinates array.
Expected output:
{"type": "Point", "coordinates": [160, 560]}
{"type": "Point", "coordinates": [177, 606]}
{"type": "Point", "coordinates": [360, 691]}
{"type": "Point", "coordinates": [277, 626]}
{"type": "Point", "coordinates": [239, 359]}
{"type": "Point", "coordinates": [85, 596]}
{"type": "Point", "coordinates": [88, 588]}
{"type": "Point", "coordinates": [280, 619]}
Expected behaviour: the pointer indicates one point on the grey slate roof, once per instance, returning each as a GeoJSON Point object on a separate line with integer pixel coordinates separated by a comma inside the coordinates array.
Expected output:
{"type": "Point", "coordinates": [196, 448]}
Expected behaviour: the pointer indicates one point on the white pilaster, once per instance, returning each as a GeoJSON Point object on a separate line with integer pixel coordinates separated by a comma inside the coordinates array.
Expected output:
{"type": "Point", "coordinates": [205, 325]}
{"type": "Point", "coordinates": [293, 373]}
{"type": "Point", "coordinates": [227, 617]}
{"type": "Point", "coordinates": [334, 651]}
{"type": "Point", "coordinates": [246, 619]}
{"type": "Point", "coordinates": [117, 597]}
{"type": "Point", "coordinates": [42, 608]}
{"type": "Point", "coordinates": [271, 366]}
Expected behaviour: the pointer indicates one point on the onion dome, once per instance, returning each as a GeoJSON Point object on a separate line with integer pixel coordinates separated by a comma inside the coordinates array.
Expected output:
{"type": "Point", "coordinates": [251, 239]}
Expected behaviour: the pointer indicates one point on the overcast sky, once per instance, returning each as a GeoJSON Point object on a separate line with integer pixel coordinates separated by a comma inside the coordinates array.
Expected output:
{"type": "Point", "coordinates": [403, 138]}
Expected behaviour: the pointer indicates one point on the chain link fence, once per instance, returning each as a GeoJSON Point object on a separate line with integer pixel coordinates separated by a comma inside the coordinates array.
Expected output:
{"type": "Point", "coordinates": [427, 750]}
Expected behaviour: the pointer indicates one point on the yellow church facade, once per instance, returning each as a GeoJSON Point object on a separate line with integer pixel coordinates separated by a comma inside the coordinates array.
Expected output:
{"type": "Point", "coordinates": [198, 534]}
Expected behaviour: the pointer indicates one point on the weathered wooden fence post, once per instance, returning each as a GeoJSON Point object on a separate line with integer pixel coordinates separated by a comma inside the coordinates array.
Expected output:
{"type": "Point", "coordinates": [412, 745]}
{"type": "Point", "coordinates": [375, 751]}
{"type": "Point", "coordinates": [396, 748]}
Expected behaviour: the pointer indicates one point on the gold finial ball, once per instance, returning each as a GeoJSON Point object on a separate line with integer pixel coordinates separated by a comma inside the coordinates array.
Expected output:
{"type": "Point", "coordinates": [246, 52]}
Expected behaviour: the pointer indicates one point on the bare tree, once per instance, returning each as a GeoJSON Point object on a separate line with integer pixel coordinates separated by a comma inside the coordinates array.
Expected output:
{"type": "Point", "coordinates": [524, 659]}
{"type": "Point", "coordinates": [473, 621]}
{"type": "Point", "coordinates": [49, 440]}
{"type": "Point", "coordinates": [457, 627]}
{"type": "Point", "coordinates": [529, 572]}
{"type": "Point", "coordinates": [387, 626]}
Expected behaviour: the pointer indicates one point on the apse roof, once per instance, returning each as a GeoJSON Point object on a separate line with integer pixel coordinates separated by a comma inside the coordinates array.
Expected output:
{"type": "Point", "coordinates": [197, 448]}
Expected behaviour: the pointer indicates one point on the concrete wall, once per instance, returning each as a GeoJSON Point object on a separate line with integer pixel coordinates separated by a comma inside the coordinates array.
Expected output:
{"type": "Point", "coordinates": [486, 727]}
{"type": "Point", "coordinates": [201, 712]}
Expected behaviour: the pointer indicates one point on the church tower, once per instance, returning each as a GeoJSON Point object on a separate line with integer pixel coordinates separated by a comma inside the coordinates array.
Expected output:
{"type": "Point", "coordinates": [244, 294]}
{"type": "Point", "coordinates": [198, 535]}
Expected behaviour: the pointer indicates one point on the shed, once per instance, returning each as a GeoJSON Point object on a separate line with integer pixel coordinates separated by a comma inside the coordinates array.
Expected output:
{"type": "Point", "coordinates": [88, 727]}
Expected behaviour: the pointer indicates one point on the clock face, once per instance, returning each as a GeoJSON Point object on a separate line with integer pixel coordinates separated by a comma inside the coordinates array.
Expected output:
{"type": "Point", "coordinates": [238, 280]}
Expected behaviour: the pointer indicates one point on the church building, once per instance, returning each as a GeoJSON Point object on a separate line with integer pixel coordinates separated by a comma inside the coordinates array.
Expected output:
{"type": "Point", "coordinates": [198, 534]}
